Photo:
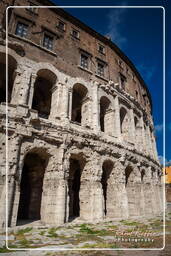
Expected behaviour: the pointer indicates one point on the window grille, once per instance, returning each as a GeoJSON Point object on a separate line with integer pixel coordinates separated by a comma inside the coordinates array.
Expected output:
{"type": "Point", "coordinates": [100, 69]}
{"type": "Point", "coordinates": [21, 29]}
{"type": "Point", "coordinates": [48, 42]}
{"type": "Point", "coordinates": [84, 61]}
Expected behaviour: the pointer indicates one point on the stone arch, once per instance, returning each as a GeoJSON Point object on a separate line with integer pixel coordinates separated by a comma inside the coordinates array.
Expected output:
{"type": "Point", "coordinates": [31, 184]}
{"type": "Point", "coordinates": [124, 123]}
{"type": "Point", "coordinates": [80, 104]}
{"type": "Point", "coordinates": [105, 115]}
{"type": "Point", "coordinates": [44, 83]}
{"type": "Point", "coordinates": [12, 66]}
{"type": "Point", "coordinates": [79, 80]}
{"type": "Point", "coordinates": [47, 66]}
{"type": "Point", "coordinates": [76, 166]}
{"type": "Point", "coordinates": [107, 168]}
{"type": "Point", "coordinates": [129, 175]}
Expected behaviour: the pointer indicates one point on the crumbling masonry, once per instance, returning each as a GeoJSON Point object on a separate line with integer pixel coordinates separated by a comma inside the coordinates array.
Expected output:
{"type": "Point", "coordinates": [80, 131]}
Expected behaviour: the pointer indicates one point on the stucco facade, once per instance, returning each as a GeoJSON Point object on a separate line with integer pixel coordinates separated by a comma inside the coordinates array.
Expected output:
{"type": "Point", "coordinates": [80, 131]}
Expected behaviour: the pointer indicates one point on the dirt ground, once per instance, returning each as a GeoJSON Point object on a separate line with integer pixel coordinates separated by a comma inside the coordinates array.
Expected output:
{"type": "Point", "coordinates": [105, 238]}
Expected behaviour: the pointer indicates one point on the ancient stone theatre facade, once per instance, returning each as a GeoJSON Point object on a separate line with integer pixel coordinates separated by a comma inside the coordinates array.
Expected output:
{"type": "Point", "coordinates": [80, 131]}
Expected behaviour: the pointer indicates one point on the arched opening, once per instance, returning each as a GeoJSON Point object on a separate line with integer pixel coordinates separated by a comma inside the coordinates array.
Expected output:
{"type": "Point", "coordinates": [44, 83]}
{"type": "Point", "coordinates": [128, 176]}
{"type": "Point", "coordinates": [79, 111]}
{"type": "Point", "coordinates": [76, 167]}
{"type": "Point", "coordinates": [105, 117]}
{"type": "Point", "coordinates": [124, 123]}
{"type": "Point", "coordinates": [12, 65]}
{"type": "Point", "coordinates": [107, 169]}
{"type": "Point", "coordinates": [136, 121]}
{"type": "Point", "coordinates": [142, 175]}
{"type": "Point", "coordinates": [31, 186]}
{"type": "Point", "coordinates": [159, 174]}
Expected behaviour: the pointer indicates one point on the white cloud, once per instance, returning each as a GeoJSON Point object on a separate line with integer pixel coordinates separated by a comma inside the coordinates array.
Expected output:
{"type": "Point", "coordinates": [146, 71]}
{"type": "Point", "coordinates": [116, 18]}
{"type": "Point", "coordinates": [159, 127]}
{"type": "Point", "coordinates": [164, 161]}
{"type": "Point", "coordinates": [168, 163]}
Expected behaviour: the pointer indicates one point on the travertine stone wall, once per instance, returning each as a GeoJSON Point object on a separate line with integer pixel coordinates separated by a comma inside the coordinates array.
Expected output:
{"type": "Point", "coordinates": [60, 139]}
{"type": "Point", "coordinates": [116, 172]}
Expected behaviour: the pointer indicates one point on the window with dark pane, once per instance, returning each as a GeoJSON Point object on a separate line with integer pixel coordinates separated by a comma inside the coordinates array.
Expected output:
{"type": "Point", "coordinates": [21, 29]}
{"type": "Point", "coordinates": [48, 42]}
{"type": "Point", "coordinates": [101, 49]}
{"type": "Point", "coordinates": [84, 61]}
{"type": "Point", "coordinates": [100, 69]}
{"type": "Point", "coordinates": [61, 25]}
{"type": "Point", "coordinates": [123, 81]}
{"type": "Point", "coordinates": [75, 33]}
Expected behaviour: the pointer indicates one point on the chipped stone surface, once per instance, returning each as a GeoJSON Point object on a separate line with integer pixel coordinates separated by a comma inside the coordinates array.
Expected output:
{"type": "Point", "coordinates": [84, 152]}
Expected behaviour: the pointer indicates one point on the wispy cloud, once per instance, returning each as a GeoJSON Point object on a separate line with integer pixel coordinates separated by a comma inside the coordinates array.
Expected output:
{"type": "Point", "coordinates": [116, 18]}
{"type": "Point", "coordinates": [146, 71]}
{"type": "Point", "coordinates": [159, 127]}
{"type": "Point", "coordinates": [164, 161]}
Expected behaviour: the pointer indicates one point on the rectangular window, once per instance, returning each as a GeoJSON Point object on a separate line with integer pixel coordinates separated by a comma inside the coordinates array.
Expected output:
{"type": "Point", "coordinates": [21, 29]}
{"type": "Point", "coordinates": [101, 49]}
{"type": "Point", "coordinates": [75, 34]}
{"type": "Point", "coordinates": [123, 81]}
{"type": "Point", "coordinates": [84, 61]}
{"type": "Point", "coordinates": [100, 69]}
{"type": "Point", "coordinates": [48, 42]}
{"type": "Point", "coordinates": [61, 25]}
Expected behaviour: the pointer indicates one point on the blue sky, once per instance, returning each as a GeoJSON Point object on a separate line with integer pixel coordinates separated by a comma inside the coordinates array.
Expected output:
{"type": "Point", "coordinates": [139, 33]}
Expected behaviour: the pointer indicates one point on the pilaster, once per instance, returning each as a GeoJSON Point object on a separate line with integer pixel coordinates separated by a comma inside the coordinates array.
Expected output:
{"type": "Point", "coordinates": [132, 126]}
{"type": "Point", "coordinates": [31, 90]}
{"type": "Point", "coordinates": [95, 107]}
{"type": "Point", "coordinates": [117, 124]}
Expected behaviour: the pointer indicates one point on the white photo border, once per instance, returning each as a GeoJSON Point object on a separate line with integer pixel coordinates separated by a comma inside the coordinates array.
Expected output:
{"type": "Point", "coordinates": [164, 83]}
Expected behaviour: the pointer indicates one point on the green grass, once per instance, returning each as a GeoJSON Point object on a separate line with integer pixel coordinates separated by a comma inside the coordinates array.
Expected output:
{"type": "Point", "coordinates": [4, 249]}
{"type": "Point", "coordinates": [25, 243]}
{"type": "Point", "coordinates": [11, 247]}
{"type": "Point", "coordinates": [130, 223]}
{"type": "Point", "coordinates": [23, 231]}
{"type": "Point", "coordinates": [52, 232]}
{"type": "Point", "coordinates": [156, 223]}
{"type": "Point", "coordinates": [42, 233]}
{"type": "Point", "coordinates": [100, 245]}
{"type": "Point", "coordinates": [85, 229]}
{"type": "Point", "coordinates": [113, 226]}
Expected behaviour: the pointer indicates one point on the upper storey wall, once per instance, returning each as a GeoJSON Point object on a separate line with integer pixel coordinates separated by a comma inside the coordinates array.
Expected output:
{"type": "Point", "coordinates": [67, 50]}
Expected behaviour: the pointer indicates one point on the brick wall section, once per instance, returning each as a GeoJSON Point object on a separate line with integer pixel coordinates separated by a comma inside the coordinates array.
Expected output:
{"type": "Point", "coordinates": [67, 49]}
